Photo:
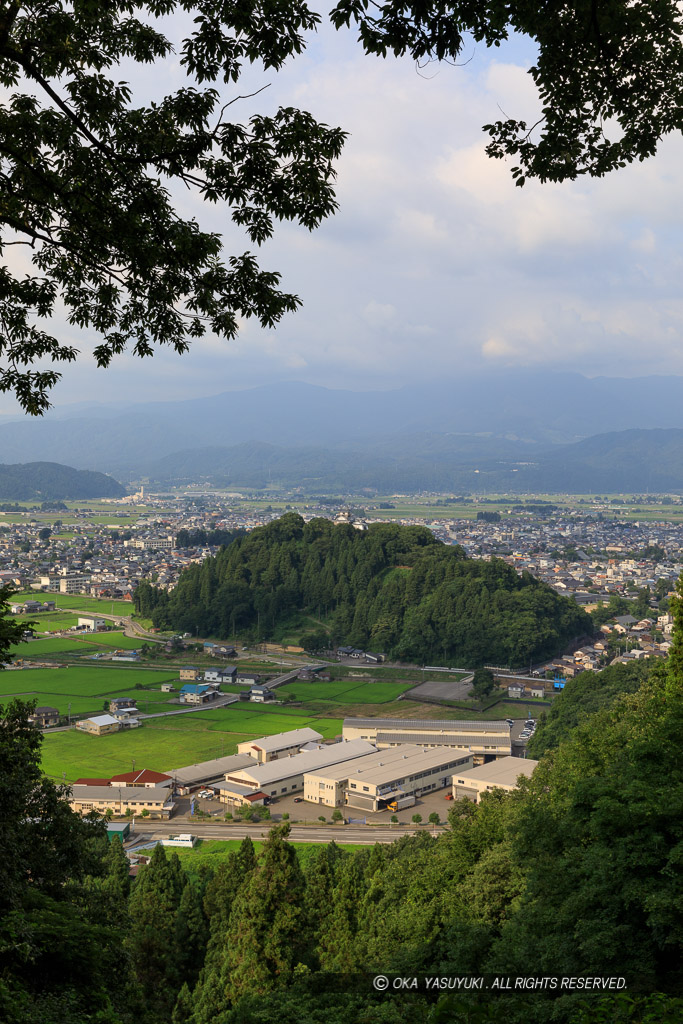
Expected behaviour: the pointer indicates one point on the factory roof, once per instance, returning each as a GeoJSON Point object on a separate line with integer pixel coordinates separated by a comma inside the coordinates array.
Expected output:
{"type": "Point", "coordinates": [413, 760]}
{"type": "Point", "coordinates": [503, 772]}
{"type": "Point", "coordinates": [441, 739]}
{"type": "Point", "coordinates": [299, 764]}
{"type": "Point", "coordinates": [195, 773]}
{"type": "Point", "coordinates": [426, 725]}
{"type": "Point", "coordinates": [141, 794]}
{"type": "Point", "coordinates": [281, 740]}
{"type": "Point", "coordinates": [406, 758]}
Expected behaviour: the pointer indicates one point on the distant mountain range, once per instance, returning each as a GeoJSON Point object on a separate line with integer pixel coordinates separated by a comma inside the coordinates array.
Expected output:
{"type": "Point", "coordinates": [538, 408]}
{"type": "Point", "coordinates": [516, 431]}
{"type": "Point", "coordinates": [49, 481]}
{"type": "Point", "coordinates": [627, 461]}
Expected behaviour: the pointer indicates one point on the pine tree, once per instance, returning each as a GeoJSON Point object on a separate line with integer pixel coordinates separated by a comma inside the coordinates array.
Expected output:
{"type": "Point", "coordinates": [267, 925]}
{"type": "Point", "coordinates": [210, 996]}
{"type": "Point", "coordinates": [184, 1006]}
{"type": "Point", "coordinates": [151, 941]}
{"type": "Point", "coordinates": [191, 934]}
{"type": "Point", "coordinates": [338, 948]}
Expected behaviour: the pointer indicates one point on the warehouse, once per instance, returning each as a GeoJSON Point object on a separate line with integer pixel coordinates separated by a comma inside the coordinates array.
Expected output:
{"type": "Point", "coordinates": [283, 744]}
{"type": "Point", "coordinates": [99, 725]}
{"type": "Point", "coordinates": [233, 795]}
{"type": "Point", "coordinates": [207, 773]}
{"type": "Point", "coordinates": [485, 740]}
{"type": "Point", "coordinates": [418, 771]}
{"type": "Point", "coordinates": [156, 801]}
{"type": "Point", "coordinates": [372, 781]}
{"type": "Point", "coordinates": [286, 774]}
{"type": "Point", "coordinates": [502, 774]}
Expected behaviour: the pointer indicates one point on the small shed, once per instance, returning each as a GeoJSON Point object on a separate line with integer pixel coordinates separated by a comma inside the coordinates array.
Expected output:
{"type": "Point", "coordinates": [118, 828]}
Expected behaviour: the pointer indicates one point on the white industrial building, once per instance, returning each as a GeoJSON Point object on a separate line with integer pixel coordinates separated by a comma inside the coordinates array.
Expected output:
{"type": "Point", "coordinates": [370, 783]}
{"type": "Point", "coordinates": [207, 773]}
{"type": "Point", "coordinates": [157, 800]}
{"type": "Point", "coordinates": [502, 774]}
{"type": "Point", "coordinates": [283, 744]}
{"type": "Point", "coordinates": [91, 622]}
{"type": "Point", "coordinates": [286, 774]}
{"type": "Point", "coordinates": [485, 740]}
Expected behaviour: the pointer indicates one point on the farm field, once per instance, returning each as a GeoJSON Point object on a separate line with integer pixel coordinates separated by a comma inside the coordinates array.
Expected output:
{"type": "Point", "coordinates": [116, 639]}
{"type": "Point", "coordinates": [166, 743]}
{"type": "Point", "coordinates": [78, 643]}
{"type": "Point", "coordinates": [78, 601]}
{"type": "Point", "coordinates": [245, 719]}
{"type": "Point", "coordinates": [84, 687]}
{"type": "Point", "coordinates": [75, 755]}
{"type": "Point", "coordinates": [53, 645]}
{"type": "Point", "coordinates": [408, 675]}
{"type": "Point", "coordinates": [345, 692]}
{"type": "Point", "coordinates": [48, 622]}
{"type": "Point", "coordinates": [212, 852]}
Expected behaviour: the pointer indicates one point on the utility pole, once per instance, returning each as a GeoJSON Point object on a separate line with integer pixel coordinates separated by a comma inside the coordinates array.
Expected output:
{"type": "Point", "coordinates": [69, 714]}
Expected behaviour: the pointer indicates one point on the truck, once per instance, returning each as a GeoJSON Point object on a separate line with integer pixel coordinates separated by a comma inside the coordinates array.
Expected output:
{"type": "Point", "coordinates": [401, 802]}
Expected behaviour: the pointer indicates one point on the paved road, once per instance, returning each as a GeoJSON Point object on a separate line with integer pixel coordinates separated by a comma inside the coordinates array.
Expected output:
{"type": "Point", "coordinates": [365, 835]}
{"type": "Point", "coordinates": [229, 698]}
{"type": "Point", "coordinates": [130, 627]}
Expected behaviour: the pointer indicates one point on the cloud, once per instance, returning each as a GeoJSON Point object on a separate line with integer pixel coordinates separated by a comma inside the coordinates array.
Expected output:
{"type": "Point", "coordinates": [435, 262]}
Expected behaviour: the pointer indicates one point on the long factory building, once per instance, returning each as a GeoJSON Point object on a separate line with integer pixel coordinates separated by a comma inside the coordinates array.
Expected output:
{"type": "Point", "coordinates": [285, 775]}
{"type": "Point", "coordinates": [371, 782]}
{"type": "Point", "coordinates": [485, 741]}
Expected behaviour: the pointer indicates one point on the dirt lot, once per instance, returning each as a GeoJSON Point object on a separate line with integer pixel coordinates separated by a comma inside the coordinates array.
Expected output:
{"type": "Point", "coordinates": [443, 691]}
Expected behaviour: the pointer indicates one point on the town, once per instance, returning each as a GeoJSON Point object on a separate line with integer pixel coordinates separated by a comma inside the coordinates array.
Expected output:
{"type": "Point", "coordinates": [75, 581]}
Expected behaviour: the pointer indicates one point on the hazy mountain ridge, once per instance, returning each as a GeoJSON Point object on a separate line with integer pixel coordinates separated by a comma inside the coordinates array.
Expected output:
{"type": "Point", "coordinates": [47, 481]}
{"type": "Point", "coordinates": [634, 460]}
{"type": "Point", "coordinates": [536, 407]}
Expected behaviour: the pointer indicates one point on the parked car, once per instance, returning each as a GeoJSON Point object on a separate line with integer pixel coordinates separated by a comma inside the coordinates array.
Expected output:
{"type": "Point", "coordinates": [298, 799]}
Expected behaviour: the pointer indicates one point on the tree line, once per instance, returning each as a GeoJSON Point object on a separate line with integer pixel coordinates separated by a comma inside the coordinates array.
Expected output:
{"type": "Point", "coordinates": [205, 538]}
{"type": "Point", "coordinates": [391, 588]}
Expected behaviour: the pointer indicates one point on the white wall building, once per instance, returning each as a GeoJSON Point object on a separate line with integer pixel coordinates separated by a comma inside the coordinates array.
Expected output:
{"type": "Point", "coordinates": [286, 774]}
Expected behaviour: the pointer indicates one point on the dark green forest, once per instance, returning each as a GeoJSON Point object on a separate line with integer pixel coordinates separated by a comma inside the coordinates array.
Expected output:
{"type": "Point", "coordinates": [575, 874]}
{"type": "Point", "coordinates": [392, 588]}
{"type": "Point", "coordinates": [50, 480]}
{"type": "Point", "coordinates": [203, 538]}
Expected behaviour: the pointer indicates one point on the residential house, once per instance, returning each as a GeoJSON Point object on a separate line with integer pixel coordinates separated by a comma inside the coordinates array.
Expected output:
{"type": "Point", "coordinates": [44, 717]}
{"type": "Point", "coordinates": [118, 703]}
{"type": "Point", "coordinates": [247, 678]}
{"type": "Point", "coordinates": [197, 693]}
{"type": "Point", "coordinates": [190, 672]}
{"type": "Point", "coordinates": [260, 694]}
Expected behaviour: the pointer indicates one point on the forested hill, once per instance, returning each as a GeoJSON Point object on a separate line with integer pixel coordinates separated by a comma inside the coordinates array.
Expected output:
{"type": "Point", "coordinates": [48, 481]}
{"type": "Point", "coordinates": [391, 588]}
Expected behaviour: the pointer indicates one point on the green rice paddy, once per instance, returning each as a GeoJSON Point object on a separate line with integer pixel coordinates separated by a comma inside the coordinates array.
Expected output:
{"type": "Point", "coordinates": [345, 691]}
{"type": "Point", "coordinates": [53, 645]}
{"type": "Point", "coordinates": [77, 601]}
{"type": "Point", "coordinates": [170, 742]}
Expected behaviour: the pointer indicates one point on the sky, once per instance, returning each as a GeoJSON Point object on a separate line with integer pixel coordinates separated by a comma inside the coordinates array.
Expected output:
{"type": "Point", "coordinates": [436, 265]}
